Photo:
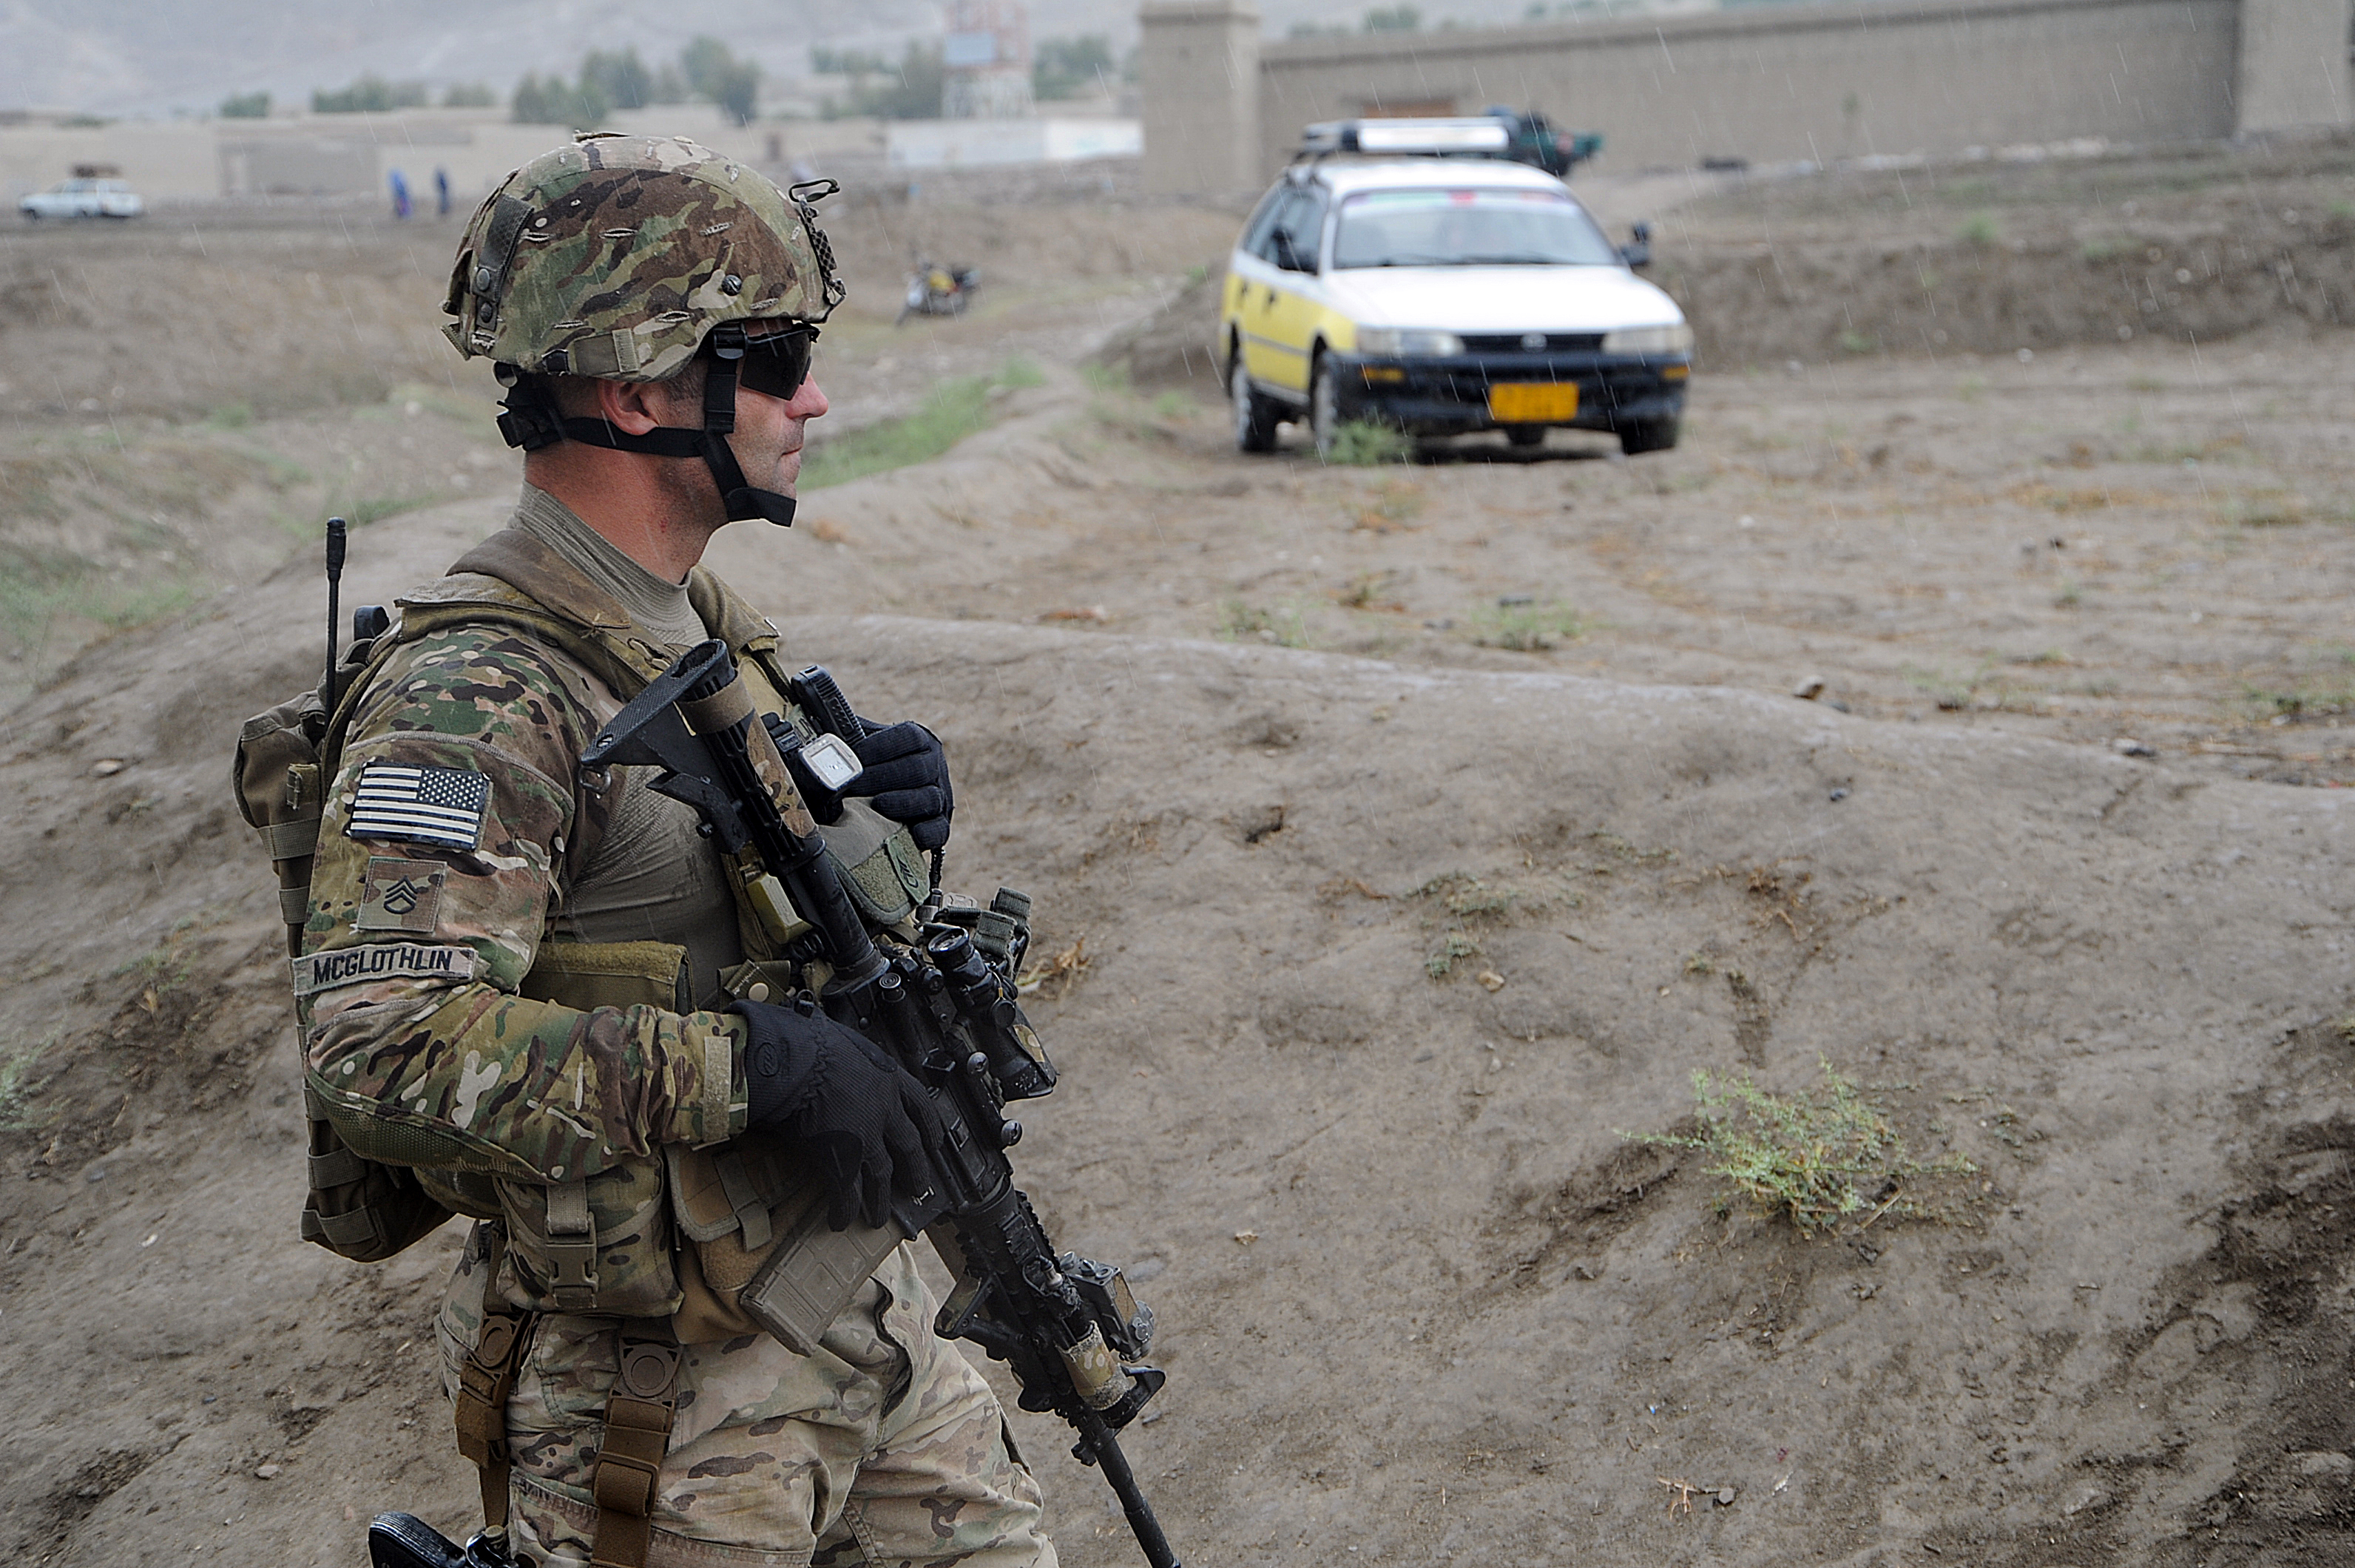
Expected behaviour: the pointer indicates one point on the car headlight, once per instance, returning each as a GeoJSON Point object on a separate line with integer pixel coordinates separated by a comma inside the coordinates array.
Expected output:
{"type": "Point", "coordinates": [1677, 339]}
{"type": "Point", "coordinates": [1394, 340]}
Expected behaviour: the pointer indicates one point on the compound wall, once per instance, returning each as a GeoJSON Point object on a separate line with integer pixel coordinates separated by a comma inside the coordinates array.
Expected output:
{"type": "Point", "coordinates": [1771, 84]}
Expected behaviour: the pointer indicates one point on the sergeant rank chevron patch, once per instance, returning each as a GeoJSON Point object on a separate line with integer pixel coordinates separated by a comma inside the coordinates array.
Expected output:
{"type": "Point", "coordinates": [441, 807]}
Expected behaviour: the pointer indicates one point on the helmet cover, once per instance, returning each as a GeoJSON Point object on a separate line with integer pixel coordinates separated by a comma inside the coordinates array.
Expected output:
{"type": "Point", "coordinates": [615, 256]}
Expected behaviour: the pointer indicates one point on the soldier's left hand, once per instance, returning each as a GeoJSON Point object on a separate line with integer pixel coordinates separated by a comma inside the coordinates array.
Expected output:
{"type": "Point", "coordinates": [906, 778]}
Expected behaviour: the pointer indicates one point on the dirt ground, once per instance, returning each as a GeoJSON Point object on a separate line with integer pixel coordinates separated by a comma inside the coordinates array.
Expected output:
{"type": "Point", "coordinates": [1423, 829]}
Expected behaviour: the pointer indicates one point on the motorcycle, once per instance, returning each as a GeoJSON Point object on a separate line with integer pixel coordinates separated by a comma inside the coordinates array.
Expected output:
{"type": "Point", "coordinates": [937, 290]}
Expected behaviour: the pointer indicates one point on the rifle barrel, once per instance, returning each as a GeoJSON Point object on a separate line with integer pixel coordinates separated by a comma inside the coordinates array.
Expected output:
{"type": "Point", "coordinates": [1099, 1446]}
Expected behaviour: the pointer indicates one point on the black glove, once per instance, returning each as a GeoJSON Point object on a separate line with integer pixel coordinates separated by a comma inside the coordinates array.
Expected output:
{"type": "Point", "coordinates": [907, 779]}
{"type": "Point", "coordinates": [864, 1118]}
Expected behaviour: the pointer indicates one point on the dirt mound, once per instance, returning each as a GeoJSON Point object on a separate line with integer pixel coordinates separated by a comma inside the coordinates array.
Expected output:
{"type": "Point", "coordinates": [1765, 302]}
{"type": "Point", "coordinates": [1178, 345]}
{"type": "Point", "coordinates": [2190, 245]}
{"type": "Point", "coordinates": [1378, 961]}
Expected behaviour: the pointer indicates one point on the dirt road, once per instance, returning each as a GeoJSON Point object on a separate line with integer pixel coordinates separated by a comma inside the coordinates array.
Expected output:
{"type": "Point", "coordinates": [1423, 829]}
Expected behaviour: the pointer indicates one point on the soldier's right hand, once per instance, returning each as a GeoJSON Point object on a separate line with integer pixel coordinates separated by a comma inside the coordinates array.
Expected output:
{"type": "Point", "coordinates": [864, 1118]}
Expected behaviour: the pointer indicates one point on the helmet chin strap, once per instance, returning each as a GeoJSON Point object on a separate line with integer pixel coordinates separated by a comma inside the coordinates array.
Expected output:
{"type": "Point", "coordinates": [530, 423]}
{"type": "Point", "coordinates": [743, 502]}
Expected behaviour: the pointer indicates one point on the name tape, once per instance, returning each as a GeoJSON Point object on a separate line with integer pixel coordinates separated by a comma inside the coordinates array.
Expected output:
{"type": "Point", "coordinates": [316, 971]}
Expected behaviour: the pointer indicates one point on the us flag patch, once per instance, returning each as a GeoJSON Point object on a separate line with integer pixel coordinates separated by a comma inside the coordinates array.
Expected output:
{"type": "Point", "coordinates": [441, 807]}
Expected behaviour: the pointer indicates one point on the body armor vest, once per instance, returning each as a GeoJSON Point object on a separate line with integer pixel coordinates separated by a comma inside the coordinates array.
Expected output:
{"type": "Point", "coordinates": [684, 1233]}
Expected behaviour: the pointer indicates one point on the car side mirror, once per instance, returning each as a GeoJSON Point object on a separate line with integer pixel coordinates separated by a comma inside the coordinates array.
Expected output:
{"type": "Point", "coordinates": [1637, 251]}
{"type": "Point", "coordinates": [1286, 258]}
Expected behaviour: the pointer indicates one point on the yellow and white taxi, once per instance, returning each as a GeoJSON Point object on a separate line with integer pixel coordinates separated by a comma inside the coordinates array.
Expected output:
{"type": "Point", "coordinates": [1443, 295]}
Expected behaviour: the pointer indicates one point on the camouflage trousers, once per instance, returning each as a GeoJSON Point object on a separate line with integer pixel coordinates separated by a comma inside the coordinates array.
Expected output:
{"type": "Point", "coordinates": [885, 1449]}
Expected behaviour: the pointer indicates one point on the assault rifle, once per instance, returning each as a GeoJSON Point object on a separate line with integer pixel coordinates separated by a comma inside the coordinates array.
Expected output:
{"type": "Point", "coordinates": [1069, 1326]}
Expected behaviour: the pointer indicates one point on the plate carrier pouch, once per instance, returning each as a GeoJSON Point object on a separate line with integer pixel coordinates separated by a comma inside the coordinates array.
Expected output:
{"type": "Point", "coordinates": [356, 1208]}
{"type": "Point", "coordinates": [758, 1256]}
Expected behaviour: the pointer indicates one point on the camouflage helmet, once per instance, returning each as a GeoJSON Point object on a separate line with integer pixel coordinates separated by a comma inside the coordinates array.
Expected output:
{"type": "Point", "coordinates": [615, 256]}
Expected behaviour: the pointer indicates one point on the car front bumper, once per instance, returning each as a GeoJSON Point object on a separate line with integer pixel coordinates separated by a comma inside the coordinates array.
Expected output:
{"type": "Point", "coordinates": [1433, 396]}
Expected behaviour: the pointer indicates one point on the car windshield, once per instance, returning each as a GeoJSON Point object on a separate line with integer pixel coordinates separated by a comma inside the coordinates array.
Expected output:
{"type": "Point", "coordinates": [1468, 229]}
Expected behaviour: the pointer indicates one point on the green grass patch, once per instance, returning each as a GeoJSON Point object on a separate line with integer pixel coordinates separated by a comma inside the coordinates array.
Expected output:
{"type": "Point", "coordinates": [1813, 1157]}
{"type": "Point", "coordinates": [1947, 690]}
{"type": "Point", "coordinates": [39, 590]}
{"type": "Point", "coordinates": [1284, 625]}
{"type": "Point", "coordinates": [2264, 509]}
{"type": "Point", "coordinates": [17, 1112]}
{"type": "Point", "coordinates": [1456, 948]}
{"type": "Point", "coordinates": [1526, 626]}
{"type": "Point", "coordinates": [366, 510]}
{"type": "Point", "coordinates": [1367, 443]}
{"type": "Point", "coordinates": [2308, 700]}
{"type": "Point", "coordinates": [1470, 898]}
{"type": "Point", "coordinates": [1979, 228]}
{"type": "Point", "coordinates": [1463, 905]}
{"type": "Point", "coordinates": [950, 411]}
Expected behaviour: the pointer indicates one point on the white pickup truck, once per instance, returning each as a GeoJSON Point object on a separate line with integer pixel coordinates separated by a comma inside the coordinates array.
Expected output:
{"type": "Point", "coordinates": [84, 199]}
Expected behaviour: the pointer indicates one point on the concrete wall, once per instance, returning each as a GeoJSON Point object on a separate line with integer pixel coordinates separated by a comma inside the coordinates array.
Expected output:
{"type": "Point", "coordinates": [159, 159]}
{"type": "Point", "coordinates": [1819, 82]}
{"type": "Point", "coordinates": [352, 154]}
{"type": "Point", "coordinates": [1771, 83]}
{"type": "Point", "coordinates": [964, 144]}
{"type": "Point", "coordinates": [2294, 64]}
{"type": "Point", "coordinates": [1199, 80]}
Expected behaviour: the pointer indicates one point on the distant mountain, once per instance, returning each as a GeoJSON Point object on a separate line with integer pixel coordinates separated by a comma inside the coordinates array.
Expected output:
{"type": "Point", "coordinates": [126, 56]}
{"type": "Point", "coordinates": [161, 57]}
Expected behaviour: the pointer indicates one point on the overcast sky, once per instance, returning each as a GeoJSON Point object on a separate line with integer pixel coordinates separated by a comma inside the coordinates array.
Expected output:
{"type": "Point", "coordinates": [156, 57]}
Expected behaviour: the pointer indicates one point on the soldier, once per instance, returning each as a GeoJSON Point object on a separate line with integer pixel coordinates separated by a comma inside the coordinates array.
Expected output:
{"type": "Point", "coordinates": [538, 993]}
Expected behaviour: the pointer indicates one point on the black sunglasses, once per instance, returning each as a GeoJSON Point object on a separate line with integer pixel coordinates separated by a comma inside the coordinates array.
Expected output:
{"type": "Point", "coordinates": [775, 365]}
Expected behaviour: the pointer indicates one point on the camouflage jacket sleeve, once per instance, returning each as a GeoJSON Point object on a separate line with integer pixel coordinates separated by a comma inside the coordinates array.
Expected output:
{"type": "Point", "coordinates": [444, 840]}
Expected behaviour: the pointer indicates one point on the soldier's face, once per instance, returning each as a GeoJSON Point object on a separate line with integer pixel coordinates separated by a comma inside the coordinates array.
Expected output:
{"type": "Point", "coordinates": [770, 432]}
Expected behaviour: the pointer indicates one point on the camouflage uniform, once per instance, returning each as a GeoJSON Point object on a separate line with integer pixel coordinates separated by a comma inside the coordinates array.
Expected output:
{"type": "Point", "coordinates": [888, 1446]}
{"type": "Point", "coordinates": [886, 1449]}
{"type": "Point", "coordinates": [435, 1040]}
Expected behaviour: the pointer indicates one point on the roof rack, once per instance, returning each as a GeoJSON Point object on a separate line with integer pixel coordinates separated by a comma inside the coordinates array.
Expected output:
{"type": "Point", "coordinates": [1484, 137]}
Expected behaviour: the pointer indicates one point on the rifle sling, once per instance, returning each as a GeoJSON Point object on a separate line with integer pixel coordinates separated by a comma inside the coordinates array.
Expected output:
{"type": "Point", "coordinates": [484, 1382]}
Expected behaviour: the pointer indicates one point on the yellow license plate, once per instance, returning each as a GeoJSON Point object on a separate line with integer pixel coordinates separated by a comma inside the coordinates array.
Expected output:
{"type": "Point", "coordinates": [1532, 402]}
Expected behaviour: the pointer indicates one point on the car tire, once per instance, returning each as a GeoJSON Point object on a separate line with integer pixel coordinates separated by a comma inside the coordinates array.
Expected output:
{"type": "Point", "coordinates": [1526, 435]}
{"type": "Point", "coordinates": [1254, 418]}
{"type": "Point", "coordinates": [1639, 436]}
{"type": "Point", "coordinates": [1324, 408]}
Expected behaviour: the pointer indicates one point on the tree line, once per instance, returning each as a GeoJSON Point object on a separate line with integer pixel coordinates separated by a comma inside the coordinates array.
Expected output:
{"type": "Point", "coordinates": [910, 87]}
{"type": "Point", "coordinates": [708, 71]}
{"type": "Point", "coordinates": [608, 80]}
{"type": "Point", "coordinates": [368, 95]}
